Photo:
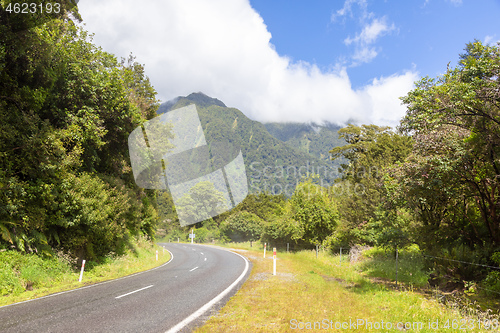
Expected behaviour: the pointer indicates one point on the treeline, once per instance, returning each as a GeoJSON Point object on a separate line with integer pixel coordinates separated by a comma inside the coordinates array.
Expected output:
{"type": "Point", "coordinates": [434, 181]}
{"type": "Point", "coordinates": [66, 109]}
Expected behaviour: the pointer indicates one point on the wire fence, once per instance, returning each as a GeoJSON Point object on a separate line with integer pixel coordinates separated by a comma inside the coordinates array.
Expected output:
{"type": "Point", "coordinates": [352, 254]}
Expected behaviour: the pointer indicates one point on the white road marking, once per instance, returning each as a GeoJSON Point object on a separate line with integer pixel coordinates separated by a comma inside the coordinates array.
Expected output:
{"type": "Point", "coordinates": [132, 292]}
{"type": "Point", "coordinates": [205, 259]}
{"type": "Point", "coordinates": [207, 306]}
{"type": "Point", "coordinates": [202, 253]}
{"type": "Point", "coordinates": [193, 269]}
{"type": "Point", "coordinates": [92, 285]}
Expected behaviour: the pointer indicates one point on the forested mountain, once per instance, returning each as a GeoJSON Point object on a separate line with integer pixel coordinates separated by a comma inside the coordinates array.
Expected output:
{"type": "Point", "coordinates": [271, 164]}
{"type": "Point", "coordinates": [313, 139]}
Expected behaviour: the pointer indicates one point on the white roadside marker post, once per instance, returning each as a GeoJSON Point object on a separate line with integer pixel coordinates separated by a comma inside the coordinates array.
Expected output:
{"type": "Point", "coordinates": [156, 255]}
{"type": "Point", "coordinates": [192, 234]}
{"type": "Point", "coordinates": [265, 249]}
{"type": "Point", "coordinates": [274, 261]}
{"type": "Point", "coordinates": [81, 272]}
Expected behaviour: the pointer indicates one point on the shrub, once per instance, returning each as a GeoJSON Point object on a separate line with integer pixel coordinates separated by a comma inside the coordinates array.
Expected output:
{"type": "Point", "coordinates": [243, 226]}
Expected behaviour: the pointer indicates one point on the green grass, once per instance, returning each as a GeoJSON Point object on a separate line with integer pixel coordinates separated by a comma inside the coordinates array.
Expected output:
{"type": "Point", "coordinates": [307, 289]}
{"type": "Point", "coordinates": [382, 264]}
{"type": "Point", "coordinates": [28, 276]}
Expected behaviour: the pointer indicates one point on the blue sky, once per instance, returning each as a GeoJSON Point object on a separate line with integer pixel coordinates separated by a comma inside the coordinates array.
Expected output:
{"type": "Point", "coordinates": [303, 61]}
{"type": "Point", "coordinates": [425, 35]}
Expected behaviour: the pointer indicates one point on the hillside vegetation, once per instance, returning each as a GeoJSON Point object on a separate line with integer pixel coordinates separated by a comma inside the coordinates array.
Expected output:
{"type": "Point", "coordinates": [271, 164]}
{"type": "Point", "coordinates": [66, 109]}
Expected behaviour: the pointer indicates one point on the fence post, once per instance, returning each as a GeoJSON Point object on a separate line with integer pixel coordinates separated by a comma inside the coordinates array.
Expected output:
{"type": "Point", "coordinates": [316, 251]}
{"type": "Point", "coordinates": [396, 266]}
{"type": "Point", "coordinates": [287, 247]}
{"type": "Point", "coordinates": [274, 261]}
{"type": "Point", "coordinates": [340, 257]}
{"type": "Point", "coordinates": [265, 244]}
{"type": "Point", "coordinates": [81, 272]}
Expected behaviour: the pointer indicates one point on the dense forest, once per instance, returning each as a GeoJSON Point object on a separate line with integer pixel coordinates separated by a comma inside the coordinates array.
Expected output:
{"type": "Point", "coordinates": [66, 109]}
{"type": "Point", "coordinates": [272, 165]}
{"type": "Point", "coordinates": [314, 139]}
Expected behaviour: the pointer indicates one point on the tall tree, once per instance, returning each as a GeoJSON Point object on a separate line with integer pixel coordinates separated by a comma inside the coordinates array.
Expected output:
{"type": "Point", "coordinates": [370, 149]}
{"type": "Point", "coordinates": [66, 110]}
{"type": "Point", "coordinates": [455, 169]}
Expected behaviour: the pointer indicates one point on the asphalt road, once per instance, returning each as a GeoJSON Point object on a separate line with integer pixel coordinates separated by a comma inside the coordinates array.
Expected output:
{"type": "Point", "coordinates": [183, 292]}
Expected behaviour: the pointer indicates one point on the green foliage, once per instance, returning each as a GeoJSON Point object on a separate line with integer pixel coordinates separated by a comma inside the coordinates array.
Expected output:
{"type": "Point", "coordinates": [280, 230]}
{"type": "Point", "coordinates": [411, 265]}
{"type": "Point", "coordinates": [242, 226]}
{"type": "Point", "coordinates": [492, 280]}
{"type": "Point", "coordinates": [264, 205]}
{"type": "Point", "coordinates": [452, 176]}
{"type": "Point", "coordinates": [308, 217]}
{"type": "Point", "coordinates": [312, 139]}
{"type": "Point", "coordinates": [19, 272]}
{"type": "Point", "coordinates": [272, 166]}
{"type": "Point", "coordinates": [369, 151]}
{"type": "Point", "coordinates": [392, 228]}
{"type": "Point", "coordinates": [67, 108]}
{"type": "Point", "coordinates": [202, 202]}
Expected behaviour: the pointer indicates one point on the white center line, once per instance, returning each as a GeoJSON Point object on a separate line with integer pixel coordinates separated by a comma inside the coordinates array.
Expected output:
{"type": "Point", "coordinates": [205, 259]}
{"type": "Point", "coordinates": [193, 269]}
{"type": "Point", "coordinates": [133, 292]}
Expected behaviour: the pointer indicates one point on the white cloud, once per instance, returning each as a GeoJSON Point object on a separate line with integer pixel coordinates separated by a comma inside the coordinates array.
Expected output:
{"type": "Point", "coordinates": [372, 29]}
{"type": "Point", "coordinates": [371, 32]}
{"type": "Point", "coordinates": [491, 40]}
{"type": "Point", "coordinates": [347, 10]}
{"type": "Point", "coordinates": [367, 37]}
{"type": "Point", "coordinates": [223, 49]}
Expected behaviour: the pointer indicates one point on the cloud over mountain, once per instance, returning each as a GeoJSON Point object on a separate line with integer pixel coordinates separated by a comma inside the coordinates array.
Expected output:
{"type": "Point", "coordinates": [224, 49]}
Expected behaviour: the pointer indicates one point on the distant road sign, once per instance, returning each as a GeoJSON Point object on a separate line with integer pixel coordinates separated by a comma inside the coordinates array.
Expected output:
{"type": "Point", "coordinates": [192, 235]}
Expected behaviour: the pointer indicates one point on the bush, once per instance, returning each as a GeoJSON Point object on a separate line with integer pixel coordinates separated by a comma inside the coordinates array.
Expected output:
{"type": "Point", "coordinates": [19, 272]}
{"type": "Point", "coordinates": [492, 280]}
{"type": "Point", "coordinates": [242, 226]}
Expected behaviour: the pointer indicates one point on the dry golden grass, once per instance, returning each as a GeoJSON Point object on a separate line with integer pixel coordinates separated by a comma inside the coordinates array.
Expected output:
{"type": "Point", "coordinates": [307, 289]}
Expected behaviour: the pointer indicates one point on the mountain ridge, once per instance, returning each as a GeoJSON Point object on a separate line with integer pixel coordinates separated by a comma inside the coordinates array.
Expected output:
{"type": "Point", "coordinates": [273, 165]}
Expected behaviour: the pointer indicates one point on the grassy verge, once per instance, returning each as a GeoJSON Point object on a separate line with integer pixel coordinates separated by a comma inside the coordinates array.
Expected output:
{"type": "Point", "coordinates": [24, 277]}
{"type": "Point", "coordinates": [318, 294]}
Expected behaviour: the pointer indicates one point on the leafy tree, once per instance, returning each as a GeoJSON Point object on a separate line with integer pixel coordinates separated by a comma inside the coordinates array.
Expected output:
{"type": "Point", "coordinates": [67, 108]}
{"type": "Point", "coordinates": [202, 202]}
{"type": "Point", "coordinates": [452, 178]}
{"type": "Point", "coordinates": [242, 226]}
{"type": "Point", "coordinates": [308, 217]}
{"type": "Point", "coordinates": [369, 151]}
{"type": "Point", "coordinates": [264, 205]}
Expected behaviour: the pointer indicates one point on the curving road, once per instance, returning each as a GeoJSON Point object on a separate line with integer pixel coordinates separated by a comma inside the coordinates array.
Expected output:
{"type": "Point", "coordinates": [174, 297]}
